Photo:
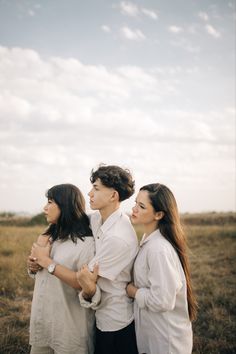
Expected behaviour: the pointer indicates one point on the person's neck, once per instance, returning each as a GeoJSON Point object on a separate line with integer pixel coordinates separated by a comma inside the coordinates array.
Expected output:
{"type": "Point", "coordinates": [149, 229]}
{"type": "Point", "coordinates": [107, 211]}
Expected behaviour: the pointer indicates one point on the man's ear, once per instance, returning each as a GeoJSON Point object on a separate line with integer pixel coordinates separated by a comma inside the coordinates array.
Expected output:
{"type": "Point", "coordinates": [115, 196]}
{"type": "Point", "coordinates": [159, 215]}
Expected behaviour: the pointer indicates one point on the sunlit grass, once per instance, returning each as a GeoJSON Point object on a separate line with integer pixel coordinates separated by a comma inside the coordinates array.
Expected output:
{"type": "Point", "coordinates": [212, 256]}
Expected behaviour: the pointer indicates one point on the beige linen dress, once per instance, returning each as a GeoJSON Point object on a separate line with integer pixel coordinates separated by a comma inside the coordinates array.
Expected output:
{"type": "Point", "coordinates": [57, 318]}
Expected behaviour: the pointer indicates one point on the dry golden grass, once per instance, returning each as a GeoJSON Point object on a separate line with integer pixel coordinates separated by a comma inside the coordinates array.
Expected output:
{"type": "Point", "coordinates": [213, 259]}
{"type": "Point", "coordinates": [213, 255]}
{"type": "Point", "coordinates": [16, 288]}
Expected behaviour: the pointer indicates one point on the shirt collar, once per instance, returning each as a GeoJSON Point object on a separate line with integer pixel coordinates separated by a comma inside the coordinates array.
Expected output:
{"type": "Point", "coordinates": [151, 236]}
{"type": "Point", "coordinates": [111, 220]}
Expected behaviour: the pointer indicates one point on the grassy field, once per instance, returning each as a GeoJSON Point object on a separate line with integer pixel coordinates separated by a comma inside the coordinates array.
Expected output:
{"type": "Point", "coordinates": [213, 257]}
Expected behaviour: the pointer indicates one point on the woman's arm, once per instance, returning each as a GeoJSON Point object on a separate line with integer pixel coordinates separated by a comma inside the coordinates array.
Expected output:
{"type": "Point", "coordinates": [165, 283]}
{"type": "Point", "coordinates": [32, 265]}
{"type": "Point", "coordinates": [42, 255]}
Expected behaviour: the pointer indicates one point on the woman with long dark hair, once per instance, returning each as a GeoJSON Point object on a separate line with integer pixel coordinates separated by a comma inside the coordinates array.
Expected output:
{"type": "Point", "coordinates": [58, 323]}
{"type": "Point", "coordinates": [164, 303]}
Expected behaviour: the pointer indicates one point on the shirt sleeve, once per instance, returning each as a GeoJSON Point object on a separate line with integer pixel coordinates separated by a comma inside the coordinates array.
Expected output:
{"type": "Point", "coordinates": [95, 301]}
{"type": "Point", "coordinates": [86, 254]}
{"type": "Point", "coordinates": [112, 257]}
{"type": "Point", "coordinates": [165, 283]}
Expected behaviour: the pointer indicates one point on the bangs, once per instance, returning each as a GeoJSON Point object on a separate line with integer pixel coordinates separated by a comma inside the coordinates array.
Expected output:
{"type": "Point", "coordinates": [49, 193]}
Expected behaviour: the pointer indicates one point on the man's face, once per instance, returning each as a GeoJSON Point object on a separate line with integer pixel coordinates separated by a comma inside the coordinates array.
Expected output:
{"type": "Point", "coordinates": [100, 195]}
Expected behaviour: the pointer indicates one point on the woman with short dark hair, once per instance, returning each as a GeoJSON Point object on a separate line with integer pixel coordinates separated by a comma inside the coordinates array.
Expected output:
{"type": "Point", "coordinates": [58, 323]}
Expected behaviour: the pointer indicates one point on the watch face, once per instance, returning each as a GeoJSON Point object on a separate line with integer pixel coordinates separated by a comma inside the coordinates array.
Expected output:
{"type": "Point", "coordinates": [51, 268]}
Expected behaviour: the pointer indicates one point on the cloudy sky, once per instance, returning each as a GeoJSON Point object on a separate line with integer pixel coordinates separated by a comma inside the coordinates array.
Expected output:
{"type": "Point", "coordinates": [148, 85]}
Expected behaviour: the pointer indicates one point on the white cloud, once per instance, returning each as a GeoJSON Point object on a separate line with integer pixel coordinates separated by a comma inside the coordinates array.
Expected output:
{"type": "Point", "coordinates": [212, 31]}
{"type": "Point", "coordinates": [59, 118]}
{"type": "Point", "coordinates": [186, 45]}
{"type": "Point", "coordinates": [203, 16]}
{"type": "Point", "coordinates": [106, 28]}
{"type": "Point", "coordinates": [133, 35]}
{"type": "Point", "coordinates": [175, 29]}
{"type": "Point", "coordinates": [231, 111]}
{"type": "Point", "coordinates": [150, 13]}
{"type": "Point", "coordinates": [129, 8]}
{"type": "Point", "coordinates": [31, 13]}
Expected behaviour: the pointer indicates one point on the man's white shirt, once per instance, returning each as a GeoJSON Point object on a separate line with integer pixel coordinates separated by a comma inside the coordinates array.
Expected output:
{"type": "Point", "coordinates": [116, 247]}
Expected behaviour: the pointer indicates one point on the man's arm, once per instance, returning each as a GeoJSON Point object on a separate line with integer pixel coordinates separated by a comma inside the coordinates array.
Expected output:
{"type": "Point", "coordinates": [90, 296]}
{"type": "Point", "coordinates": [88, 280]}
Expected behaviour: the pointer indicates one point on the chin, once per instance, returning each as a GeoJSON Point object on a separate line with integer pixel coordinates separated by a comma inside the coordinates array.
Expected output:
{"type": "Point", "coordinates": [134, 220]}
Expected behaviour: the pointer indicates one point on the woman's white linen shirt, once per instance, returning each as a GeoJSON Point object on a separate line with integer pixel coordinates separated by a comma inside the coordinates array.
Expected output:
{"type": "Point", "coordinates": [57, 318]}
{"type": "Point", "coordinates": [160, 308]}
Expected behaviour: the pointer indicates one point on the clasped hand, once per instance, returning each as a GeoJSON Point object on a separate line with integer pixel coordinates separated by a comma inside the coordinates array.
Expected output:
{"type": "Point", "coordinates": [37, 257]}
{"type": "Point", "coordinates": [88, 280]}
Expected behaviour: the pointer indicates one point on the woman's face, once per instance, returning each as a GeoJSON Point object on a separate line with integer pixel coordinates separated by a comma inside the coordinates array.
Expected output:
{"type": "Point", "coordinates": [52, 212]}
{"type": "Point", "coordinates": [143, 211]}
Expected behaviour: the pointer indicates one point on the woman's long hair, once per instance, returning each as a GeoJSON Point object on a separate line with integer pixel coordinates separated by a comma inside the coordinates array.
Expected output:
{"type": "Point", "coordinates": [73, 222]}
{"type": "Point", "coordinates": [162, 199]}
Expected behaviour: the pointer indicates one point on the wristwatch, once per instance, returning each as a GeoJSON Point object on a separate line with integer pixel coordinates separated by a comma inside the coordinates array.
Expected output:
{"type": "Point", "coordinates": [51, 268]}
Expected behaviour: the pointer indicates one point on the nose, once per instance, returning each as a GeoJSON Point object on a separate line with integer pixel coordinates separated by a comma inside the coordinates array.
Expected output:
{"type": "Point", "coordinates": [45, 208]}
{"type": "Point", "coordinates": [135, 209]}
{"type": "Point", "coordinates": [90, 193]}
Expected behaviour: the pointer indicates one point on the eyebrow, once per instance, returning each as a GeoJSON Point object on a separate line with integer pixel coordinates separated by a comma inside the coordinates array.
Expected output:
{"type": "Point", "coordinates": [140, 203]}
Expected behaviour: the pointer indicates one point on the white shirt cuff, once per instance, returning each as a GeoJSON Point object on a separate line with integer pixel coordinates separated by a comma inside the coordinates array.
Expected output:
{"type": "Point", "coordinates": [140, 298]}
{"type": "Point", "coordinates": [95, 300]}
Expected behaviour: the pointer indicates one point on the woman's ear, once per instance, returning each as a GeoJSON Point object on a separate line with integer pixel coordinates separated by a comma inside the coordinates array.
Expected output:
{"type": "Point", "coordinates": [159, 215]}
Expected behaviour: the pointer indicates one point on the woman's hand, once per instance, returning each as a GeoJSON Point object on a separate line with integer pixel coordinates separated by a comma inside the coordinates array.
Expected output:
{"type": "Point", "coordinates": [41, 254]}
{"type": "Point", "coordinates": [87, 280]}
{"type": "Point", "coordinates": [32, 265]}
{"type": "Point", "coordinates": [131, 290]}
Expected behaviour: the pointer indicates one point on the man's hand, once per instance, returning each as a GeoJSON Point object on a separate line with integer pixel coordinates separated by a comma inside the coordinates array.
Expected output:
{"type": "Point", "coordinates": [131, 290]}
{"type": "Point", "coordinates": [87, 280]}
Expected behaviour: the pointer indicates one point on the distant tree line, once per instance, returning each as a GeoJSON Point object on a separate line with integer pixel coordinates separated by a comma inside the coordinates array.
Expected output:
{"type": "Point", "coordinates": [211, 218]}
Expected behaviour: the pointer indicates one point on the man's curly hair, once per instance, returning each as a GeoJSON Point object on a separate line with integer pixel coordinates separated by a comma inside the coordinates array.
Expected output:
{"type": "Point", "coordinates": [115, 177]}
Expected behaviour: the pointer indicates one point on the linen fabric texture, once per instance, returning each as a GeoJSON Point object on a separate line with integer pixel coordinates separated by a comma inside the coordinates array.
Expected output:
{"type": "Point", "coordinates": [57, 319]}
{"type": "Point", "coordinates": [116, 247]}
{"type": "Point", "coordinates": [160, 307]}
